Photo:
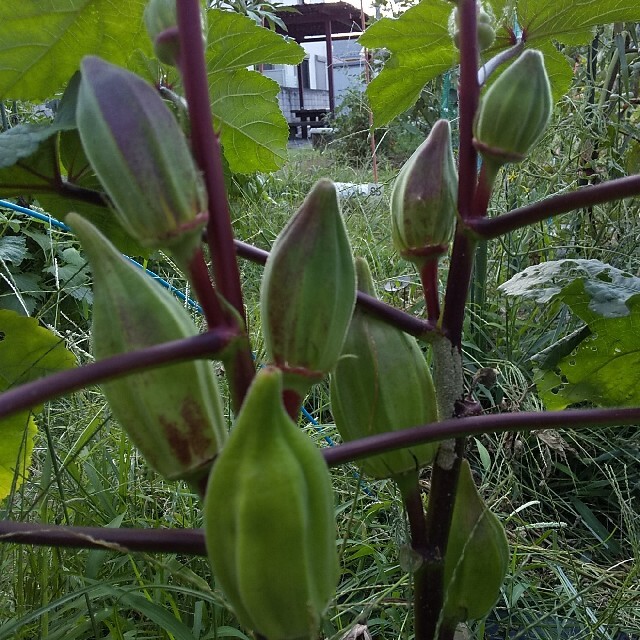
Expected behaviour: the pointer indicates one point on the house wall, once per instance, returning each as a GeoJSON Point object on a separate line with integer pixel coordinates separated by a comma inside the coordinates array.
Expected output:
{"type": "Point", "coordinates": [348, 69]}
{"type": "Point", "coordinates": [313, 99]}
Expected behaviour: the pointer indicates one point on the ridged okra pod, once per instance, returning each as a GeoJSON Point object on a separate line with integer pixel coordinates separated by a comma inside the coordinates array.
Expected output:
{"type": "Point", "coordinates": [309, 290]}
{"type": "Point", "coordinates": [269, 519]}
{"type": "Point", "coordinates": [382, 383]}
{"type": "Point", "coordinates": [423, 200]}
{"type": "Point", "coordinates": [142, 159]}
{"type": "Point", "coordinates": [477, 555]}
{"type": "Point", "coordinates": [173, 413]}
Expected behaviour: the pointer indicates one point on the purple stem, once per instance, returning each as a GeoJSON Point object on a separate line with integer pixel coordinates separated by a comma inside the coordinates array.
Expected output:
{"type": "Point", "coordinates": [477, 425]}
{"type": "Point", "coordinates": [429, 581]}
{"type": "Point", "coordinates": [203, 346]}
{"type": "Point", "coordinates": [618, 189]}
{"type": "Point", "coordinates": [469, 96]}
{"type": "Point", "coordinates": [208, 156]}
{"type": "Point", "coordinates": [206, 150]}
{"type": "Point", "coordinates": [458, 281]}
{"type": "Point", "coordinates": [385, 312]}
{"type": "Point", "coordinates": [429, 280]}
{"type": "Point", "coordinates": [412, 498]}
{"type": "Point", "coordinates": [191, 541]}
{"type": "Point", "coordinates": [464, 247]}
{"type": "Point", "coordinates": [421, 329]}
{"type": "Point", "coordinates": [186, 541]}
{"type": "Point", "coordinates": [484, 73]}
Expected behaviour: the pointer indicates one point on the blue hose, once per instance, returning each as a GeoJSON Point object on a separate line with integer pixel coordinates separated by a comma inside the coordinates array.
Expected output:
{"type": "Point", "coordinates": [45, 217]}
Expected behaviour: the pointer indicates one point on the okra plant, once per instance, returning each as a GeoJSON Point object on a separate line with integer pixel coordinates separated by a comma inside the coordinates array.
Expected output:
{"type": "Point", "coordinates": [266, 492]}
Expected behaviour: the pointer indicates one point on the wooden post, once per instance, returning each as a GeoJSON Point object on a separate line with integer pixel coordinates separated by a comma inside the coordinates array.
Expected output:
{"type": "Point", "coordinates": [327, 31]}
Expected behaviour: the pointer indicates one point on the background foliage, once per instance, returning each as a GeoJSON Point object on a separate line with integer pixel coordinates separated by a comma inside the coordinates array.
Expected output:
{"type": "Point", "coordinates": [569, 500]}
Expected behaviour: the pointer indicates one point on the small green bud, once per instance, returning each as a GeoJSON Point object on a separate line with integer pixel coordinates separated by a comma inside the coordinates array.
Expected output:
{"type": "Point", "coordinates": [269, 522]}
{"type": "Point", "coordinates": [477, 555]}
{"type": "Point", "coordinates": [173, 414]}
{"type": "Point", "coordinates": [161, 22]}
{"type": "Point", "coordinates": [515, 111]}
{"type": "Point", "coordinates": [382, 383]}
{"type": "Point", "coordinates": [308, 291]}
{"type": "Point", "coordinates": [141, 158]}
{"type": "Point", "coordinates": [424, 197]}
{"type": "Point", "coordinates": [484, 27]}
{"type": "Point", "coordinates": [160, 19]}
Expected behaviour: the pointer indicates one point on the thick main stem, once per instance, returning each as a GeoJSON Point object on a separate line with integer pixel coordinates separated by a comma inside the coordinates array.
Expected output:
{"type": "Point", "coordinates": [207, 153]}
{"type": "Point", "coordinates": [429, 588]}
{"type": "Point", "coordinates": [206, 150]}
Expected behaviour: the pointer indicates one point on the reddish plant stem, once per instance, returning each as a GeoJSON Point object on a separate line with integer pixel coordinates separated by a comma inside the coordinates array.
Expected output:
{"type": "Point", "coordinates": [484, 188]}
{"type": "Point", "coordinates": [206, 150]}
{"type": "Point", "coordinates": [292, 402]}
{"type": "Point", "coordinates": [469, 96]}
{"type": "Point", "coordinates": [477, 425]}
{"type": "Point", "coordinates": [429, 584]}
{"type": "Point", "coordinates": [203, 346]}
{"type": "Point", "coordinates": [457, 290]}
{"type": "Point", "coordinates": [587, 196]}
{"type": "Point", "coordinates": [201, 281]}
{"type": "Point", "coordinates": [429, 280]}
{"type": "Point", "coordinates": [421, 329]}
{"type": "Point", "coordinates": [406, 322]}
{"type": "Point", "coordinates": [185, 541]}
{"type": "Point", "coordinates": [249, 252]}
{"type": "Point", "coordinates": [412, 498]}
{"type": "Point", "coordinates": [191, 541]}
{"type": "Point", "coordinates": [207, 153]}
{"type": "Point", "coordinates": [444, 485]}
{"type": "Point", "coordinates": [463, 248]}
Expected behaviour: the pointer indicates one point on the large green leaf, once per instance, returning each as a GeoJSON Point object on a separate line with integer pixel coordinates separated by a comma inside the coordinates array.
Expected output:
{"type": "Point", "coordinates": [27, 351]}
{"type": "Point", "coordinates": [30, 165]}
{"type": "Point", "coordinates": [558, 69]}
{"type": "Point", "coordinates": [17, 433]}
{"type": "Point", "coordinates": [252, 129]}
{"type": "Point", "coordinates": [421, 47]}
{"type": "Point", "coordinates": [602, 369]}
{"type": "Point", "coordinates": [591, 288]}
{"type": "Point", "coordinates": [38, 175]}
{"type": "Point", "coordinates": [23, 141]}
{"type": "Point", "coordinates": [600, 362]}
{"type": "Point", "coordinates": [570, 21]}
{"type": "Point", "coordinates": [34, 168]}
{"type": "Point", "coordinates": [398, 87]}
{"type": "Point", "coordinates": [236, 42]}
{"type": "Point", "coordinates": [42, 43]}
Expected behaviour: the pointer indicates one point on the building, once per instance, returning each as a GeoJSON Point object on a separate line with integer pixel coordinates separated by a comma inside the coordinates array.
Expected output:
{"type": "Point", "coordinates": [334, 61]}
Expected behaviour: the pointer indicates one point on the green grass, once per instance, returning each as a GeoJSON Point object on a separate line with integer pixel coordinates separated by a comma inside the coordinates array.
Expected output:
{"type": "Point", "coordinates": [569, 500]}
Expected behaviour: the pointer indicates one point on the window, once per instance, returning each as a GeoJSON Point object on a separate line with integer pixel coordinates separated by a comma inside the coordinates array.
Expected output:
{"type": "Point", "coordinates": [304, 70]}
